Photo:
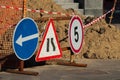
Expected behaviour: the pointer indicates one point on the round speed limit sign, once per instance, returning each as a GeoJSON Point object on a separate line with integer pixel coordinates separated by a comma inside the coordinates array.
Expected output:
{"type": "Point", "coordinates": [75, 34]}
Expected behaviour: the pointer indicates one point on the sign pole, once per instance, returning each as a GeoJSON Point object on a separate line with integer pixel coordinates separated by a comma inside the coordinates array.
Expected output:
{"type": "Point", "coordinates": [24, 8]}
{"type": "Point", "coordinates": [71, 56]}
{"type": "Point", "coordinates": [18, 42]}
{"type": "Point", "coordinates": [71, 62]}
{"type": "Point", "coordinates": [21, 68]}
{"type": "Point", "coordinates": [75, 35]}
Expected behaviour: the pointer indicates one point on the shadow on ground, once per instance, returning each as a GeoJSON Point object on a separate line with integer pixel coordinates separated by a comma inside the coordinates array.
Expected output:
{"type": "Point", "coordinates": [12, 62]}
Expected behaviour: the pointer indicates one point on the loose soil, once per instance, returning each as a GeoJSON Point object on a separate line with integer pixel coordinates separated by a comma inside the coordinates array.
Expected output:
{"type": "Point", "coordinates": [101, 41]}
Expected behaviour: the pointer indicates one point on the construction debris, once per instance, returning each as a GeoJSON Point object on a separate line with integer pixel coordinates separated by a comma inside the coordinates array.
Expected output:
{"type": "Point", "coordinates": [101, 41]}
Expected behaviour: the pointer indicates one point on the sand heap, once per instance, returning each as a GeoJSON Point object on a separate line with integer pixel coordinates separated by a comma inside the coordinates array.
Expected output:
{"type": "Point", "coordinates": [101, 41]}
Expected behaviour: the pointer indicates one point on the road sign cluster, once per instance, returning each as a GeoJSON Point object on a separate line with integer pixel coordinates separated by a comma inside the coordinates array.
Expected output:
{"type": "Point", "coordinates": [26, 36]}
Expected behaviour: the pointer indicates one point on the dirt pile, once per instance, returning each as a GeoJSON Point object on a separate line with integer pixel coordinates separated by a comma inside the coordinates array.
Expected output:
{"type": "Point", "coordinates": [101, 41]}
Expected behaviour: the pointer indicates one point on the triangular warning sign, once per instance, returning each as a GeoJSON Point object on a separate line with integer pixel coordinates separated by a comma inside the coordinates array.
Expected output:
{"type": "Point", "coordinates": [50, 47]}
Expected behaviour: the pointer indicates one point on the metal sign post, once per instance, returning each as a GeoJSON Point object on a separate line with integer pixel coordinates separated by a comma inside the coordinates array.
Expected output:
{"type": "Point", "coordinates": [21, 67]}
{"type": "Point", "coordinates": [23, 40]}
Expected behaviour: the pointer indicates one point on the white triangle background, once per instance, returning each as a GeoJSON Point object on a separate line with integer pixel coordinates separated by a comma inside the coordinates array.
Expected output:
{"type": "Point", "coordinates": [43, 53]}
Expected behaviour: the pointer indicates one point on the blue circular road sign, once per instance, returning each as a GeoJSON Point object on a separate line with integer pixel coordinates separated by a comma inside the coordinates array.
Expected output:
{"type": "Point", "coordinates": [25, 38]}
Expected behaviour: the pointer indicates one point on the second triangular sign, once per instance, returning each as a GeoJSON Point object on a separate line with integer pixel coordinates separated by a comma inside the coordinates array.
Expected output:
{"type": "Point", "coordinates": [50, 47]}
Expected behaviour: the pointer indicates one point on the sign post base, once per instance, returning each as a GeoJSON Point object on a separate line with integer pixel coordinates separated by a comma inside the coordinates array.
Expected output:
{"type": "Point", "coordinates": [71, 62]}
{"type": "Point", "coordinates": [22, 72]}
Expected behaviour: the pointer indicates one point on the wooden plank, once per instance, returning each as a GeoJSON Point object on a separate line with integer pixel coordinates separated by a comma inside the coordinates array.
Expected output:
{"type": "Point", "coordinates": [23, 72]}
{"type": "Point", "coordinates": [65, 48]}
{"type": "Point", "coordinates": [71, 64]}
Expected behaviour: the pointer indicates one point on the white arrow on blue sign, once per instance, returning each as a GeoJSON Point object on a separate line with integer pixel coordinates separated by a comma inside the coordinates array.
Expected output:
{"type": "Point", "coordinates": [25, 38]}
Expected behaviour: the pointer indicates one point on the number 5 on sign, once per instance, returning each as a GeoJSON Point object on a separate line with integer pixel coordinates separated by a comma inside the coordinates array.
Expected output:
{"type": "Point", "coordinates": [75, 34]}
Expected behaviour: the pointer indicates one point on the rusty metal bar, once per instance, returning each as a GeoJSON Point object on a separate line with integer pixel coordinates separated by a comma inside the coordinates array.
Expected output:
{"type": "Point", "coordinates": [54, 18]}
{"type": "Point", "coordinates": [72, 64]}
{"type": "Point", "coordinates": [21, 66]}
{"type": "Point", "coordinates": [22, 72]}
{"type": "Point", "coordinates": [65, 48]}
{"type": "Point", "coordinates": [111, 17]}
{"type": "Point", "coordinates": [63, 39]}
{"type": "Point", "coordinates": [24, 15]}
{"type": "Point", "coordinates": [24, 8]}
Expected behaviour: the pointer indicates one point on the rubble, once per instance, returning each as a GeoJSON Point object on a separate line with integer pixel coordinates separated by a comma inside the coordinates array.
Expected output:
{"type": "Point", "coordinates": [101, 41]}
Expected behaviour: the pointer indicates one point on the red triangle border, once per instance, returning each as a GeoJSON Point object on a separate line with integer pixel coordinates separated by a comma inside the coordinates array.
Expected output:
{"type": "Point", "coordinates": [44, 36]}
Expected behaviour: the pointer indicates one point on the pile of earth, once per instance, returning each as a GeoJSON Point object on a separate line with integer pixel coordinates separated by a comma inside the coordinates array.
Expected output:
{"type": "Point", "coordinates": [101, 41]}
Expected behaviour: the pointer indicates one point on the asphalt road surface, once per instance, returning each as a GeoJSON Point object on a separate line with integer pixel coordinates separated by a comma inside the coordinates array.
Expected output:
{"type": "Point", "coordinates": [96, 70]}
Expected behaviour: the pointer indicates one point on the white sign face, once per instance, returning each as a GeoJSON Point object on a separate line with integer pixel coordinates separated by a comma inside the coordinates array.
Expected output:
{"type": "Point", "coordinates": [75, 34]}
{"type": "Point", "coordinates": [50, 47]}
